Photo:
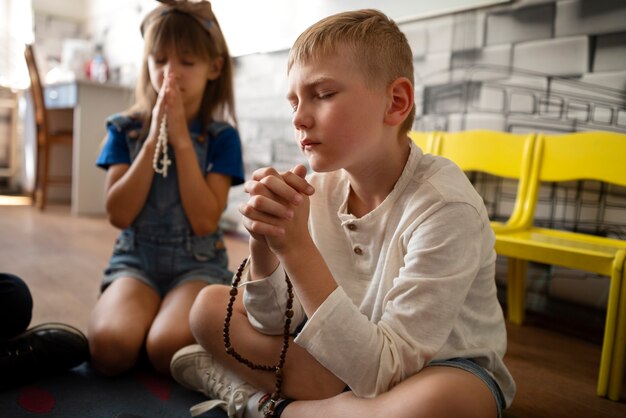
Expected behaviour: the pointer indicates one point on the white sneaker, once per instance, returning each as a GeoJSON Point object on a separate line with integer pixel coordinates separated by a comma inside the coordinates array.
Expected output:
{"type": "Point", "coordinates": [194, 368]}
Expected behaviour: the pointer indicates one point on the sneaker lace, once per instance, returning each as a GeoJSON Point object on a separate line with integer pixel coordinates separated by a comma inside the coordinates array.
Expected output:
{"type": "Point", "coordinates": [228, 396]}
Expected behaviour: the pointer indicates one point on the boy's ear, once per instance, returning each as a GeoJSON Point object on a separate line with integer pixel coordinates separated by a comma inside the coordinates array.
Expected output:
{"type": "Point", "coordinates": [401, 99]}
{"type": "Point", "coordinates": [215, 68]}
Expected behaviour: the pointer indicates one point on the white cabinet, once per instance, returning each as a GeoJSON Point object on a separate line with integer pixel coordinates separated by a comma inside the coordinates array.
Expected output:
{"type": "Point", "coordinates": [90, 104]}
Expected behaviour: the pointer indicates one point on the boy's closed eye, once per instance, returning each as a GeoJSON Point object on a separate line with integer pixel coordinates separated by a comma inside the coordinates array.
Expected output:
{"type": "Point", "coordinates": [322, 95]}
{"type": "Point", "coordinates": [325, 95]}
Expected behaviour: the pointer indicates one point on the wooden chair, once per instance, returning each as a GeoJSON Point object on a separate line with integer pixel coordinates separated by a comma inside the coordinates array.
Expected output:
{"type": "Point", "coordinates": [45, 138]}
{"type": "Point", "coordinates": [579, 156]}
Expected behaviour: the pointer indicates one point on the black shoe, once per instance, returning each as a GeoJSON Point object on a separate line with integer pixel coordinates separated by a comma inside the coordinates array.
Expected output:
{"type": "Point", "coordinates": [40, 351]}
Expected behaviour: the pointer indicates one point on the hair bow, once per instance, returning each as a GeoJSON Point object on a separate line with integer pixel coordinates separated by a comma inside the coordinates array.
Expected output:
{"type": "Point", "coordinates": [199, 10]}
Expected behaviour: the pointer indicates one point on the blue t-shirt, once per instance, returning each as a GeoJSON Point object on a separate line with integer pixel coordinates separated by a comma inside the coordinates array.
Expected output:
{"type": "Point", "coordinates": [224, 155]}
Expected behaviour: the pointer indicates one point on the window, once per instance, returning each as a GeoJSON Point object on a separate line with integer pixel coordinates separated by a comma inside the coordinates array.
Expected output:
{"type": "Point", "coordinates": [16, 30]}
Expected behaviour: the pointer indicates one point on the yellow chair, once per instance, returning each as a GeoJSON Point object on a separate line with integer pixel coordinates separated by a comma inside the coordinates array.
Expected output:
{"type": "Point", "coordinates": [427, 141]}
{"type": "Point", "coordinates": [579, 156]}
{"type": "Point", "coordinates": [500, 154]}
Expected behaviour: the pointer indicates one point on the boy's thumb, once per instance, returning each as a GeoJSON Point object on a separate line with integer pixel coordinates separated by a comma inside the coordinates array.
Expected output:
{"type": "Point", "coordinates": [299, 170]}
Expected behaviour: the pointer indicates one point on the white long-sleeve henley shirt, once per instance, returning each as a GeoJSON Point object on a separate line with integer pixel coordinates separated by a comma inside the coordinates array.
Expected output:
{"type": "Point", "coordinates": [415, 275]}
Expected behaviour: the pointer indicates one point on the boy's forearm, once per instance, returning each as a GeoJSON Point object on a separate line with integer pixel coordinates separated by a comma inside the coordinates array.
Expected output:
{"type": "Point", "coordinates": [263, 262]}
{"type": "Point", "coordinates": [311, 277]}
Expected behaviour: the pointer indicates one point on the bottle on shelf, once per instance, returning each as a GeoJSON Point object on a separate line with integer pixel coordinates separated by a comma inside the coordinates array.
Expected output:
{"type": "Point", "coordinates": [97, 68]}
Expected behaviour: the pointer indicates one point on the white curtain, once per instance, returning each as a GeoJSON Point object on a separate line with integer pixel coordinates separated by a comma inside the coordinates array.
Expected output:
{"type": "Point", "coordinates": [16, 29]}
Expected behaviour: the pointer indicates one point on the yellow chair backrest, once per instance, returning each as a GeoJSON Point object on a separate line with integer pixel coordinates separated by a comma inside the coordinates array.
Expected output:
{"type": "Point", "coordinates": [501, 154]}
{"type": "Point", "coordinates": [595, 155]}
{"type": "Point", "coordinates": [425, 140]}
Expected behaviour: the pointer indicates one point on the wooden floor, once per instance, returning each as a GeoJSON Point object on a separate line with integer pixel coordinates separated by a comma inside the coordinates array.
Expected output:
{"type": "Point", "coordinates": [61, 257]}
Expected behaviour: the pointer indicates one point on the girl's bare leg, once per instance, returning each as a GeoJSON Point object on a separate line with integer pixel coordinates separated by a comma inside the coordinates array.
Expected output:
{"type": "Point", "coordinates": [170, 329]}
{"type": "Point", "coordinates": [119, 323]}
{"type": "Point", "coordinates": [435, 392]}
{"type": "Point", "coordinates": [304, 377]}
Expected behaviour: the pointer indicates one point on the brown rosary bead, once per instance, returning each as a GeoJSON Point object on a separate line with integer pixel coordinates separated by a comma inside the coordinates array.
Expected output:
{"type": "Point", "coordinates": [230, 350]}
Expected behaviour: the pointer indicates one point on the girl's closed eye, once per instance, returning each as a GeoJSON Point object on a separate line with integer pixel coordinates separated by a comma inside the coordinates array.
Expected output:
{"type": "Point", "coordinates": [159, 60]}
{"type": "Point", "coordinates": [188, 60]}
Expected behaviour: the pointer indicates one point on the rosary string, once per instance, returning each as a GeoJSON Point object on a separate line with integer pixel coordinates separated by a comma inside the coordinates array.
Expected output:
{"type": "Point", "coordinates": [161, 150]}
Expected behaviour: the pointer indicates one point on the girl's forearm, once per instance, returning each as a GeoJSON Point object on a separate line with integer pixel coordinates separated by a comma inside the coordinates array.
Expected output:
{"type": "Point", "coordinates": [127, 196]}
{"type": "Point", "coordinates": [203, 205]}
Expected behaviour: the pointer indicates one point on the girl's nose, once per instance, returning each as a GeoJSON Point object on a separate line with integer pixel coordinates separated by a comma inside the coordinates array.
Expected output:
{"type": "Point", "coordinates": [167, 69]}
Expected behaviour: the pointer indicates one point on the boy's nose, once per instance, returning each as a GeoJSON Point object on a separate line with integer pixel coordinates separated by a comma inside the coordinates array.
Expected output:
{"type": "Point", "coordinates": [301, 120]}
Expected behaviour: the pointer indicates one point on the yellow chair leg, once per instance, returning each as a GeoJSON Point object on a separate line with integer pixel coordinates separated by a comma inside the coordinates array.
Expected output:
{"type": "Point", "coordinates": [516, 290]}
{"type": "Point", "coordinates": [608, 344]}
{"type": "Point", "coordinates": [619, 352]}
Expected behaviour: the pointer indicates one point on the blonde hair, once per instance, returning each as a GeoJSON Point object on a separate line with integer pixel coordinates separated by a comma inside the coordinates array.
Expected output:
{"type": "Point", "coordinates": [182, 32]}
{"type": "Point", "coordinates": [375, 41]}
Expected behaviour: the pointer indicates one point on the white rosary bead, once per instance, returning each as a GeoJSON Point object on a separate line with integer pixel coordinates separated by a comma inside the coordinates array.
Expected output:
{"type": "Point", "coordinates": [161, 149]}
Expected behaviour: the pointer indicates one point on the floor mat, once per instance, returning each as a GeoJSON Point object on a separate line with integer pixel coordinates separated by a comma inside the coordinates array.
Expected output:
{"type": "Point", "coordinates": [83, 393]}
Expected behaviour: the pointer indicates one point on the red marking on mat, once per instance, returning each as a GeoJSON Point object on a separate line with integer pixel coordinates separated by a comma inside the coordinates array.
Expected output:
{"type": "Point", "coordinates": [160, 386]}
{"type": "Point", "coordinates": [35, 399]}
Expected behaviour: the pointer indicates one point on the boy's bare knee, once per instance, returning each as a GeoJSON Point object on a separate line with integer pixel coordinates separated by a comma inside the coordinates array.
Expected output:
{"type": "Point", "coordinates": [208, 311]}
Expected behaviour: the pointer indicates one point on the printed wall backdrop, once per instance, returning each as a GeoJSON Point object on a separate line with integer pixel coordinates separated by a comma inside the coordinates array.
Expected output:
{"type": "Point", "coordinates": [529, 65]}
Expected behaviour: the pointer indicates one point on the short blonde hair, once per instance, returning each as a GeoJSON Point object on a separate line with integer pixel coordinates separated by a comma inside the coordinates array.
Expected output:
{"type": "Point", "coordinates": [375, 40]}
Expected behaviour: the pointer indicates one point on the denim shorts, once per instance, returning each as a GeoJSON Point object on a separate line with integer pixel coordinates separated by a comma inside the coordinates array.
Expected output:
{"type": "Point", "coordinates": [165, 262]}
{"type": "Point", "coordinates": [472, 367]}
{"type": "Point", "coordinates": [458, 362]}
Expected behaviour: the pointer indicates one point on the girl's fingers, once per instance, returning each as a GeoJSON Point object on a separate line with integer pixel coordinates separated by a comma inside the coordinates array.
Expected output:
{"type": "Point", "coordinates": [172, 106]}
{"type": "Point", "coordinates": [159, 106]}
{"type": "Point", "coordinates": [173, 84]}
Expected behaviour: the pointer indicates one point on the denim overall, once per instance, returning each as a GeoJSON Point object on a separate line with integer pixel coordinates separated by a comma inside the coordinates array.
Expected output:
{"type": "Point", "coordinates": [160, 248]}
